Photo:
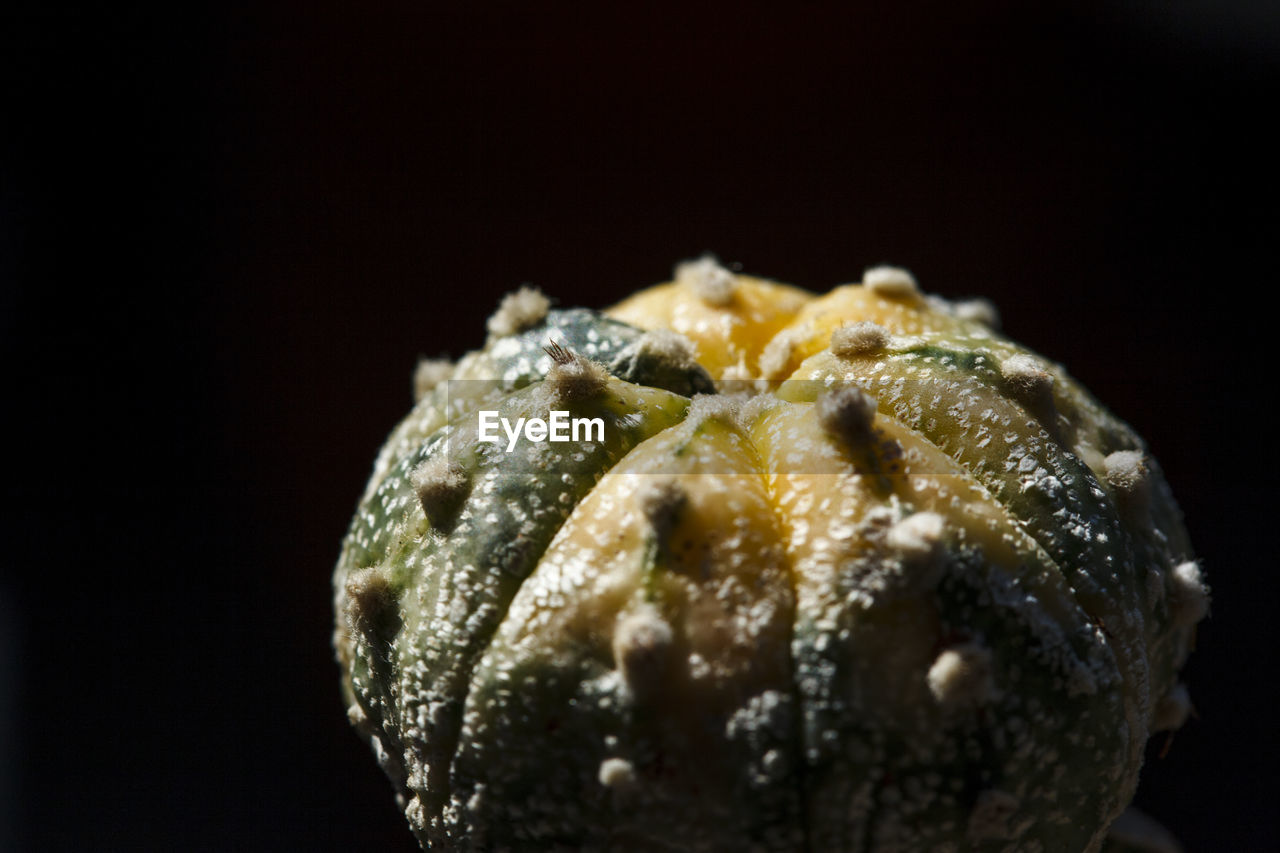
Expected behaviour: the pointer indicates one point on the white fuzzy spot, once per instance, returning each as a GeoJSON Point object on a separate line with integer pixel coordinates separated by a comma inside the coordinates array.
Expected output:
{"type": "Point", "coordinates": [429, 373]}
{"type": "Point", "coordinates": [709, 281]}
{"type": "Point", "coordinates": [440, 485]}
{"type": "Point", "coordinates": [857, 339]}
{"type": "Point", "coordinates": [982, 310]}
{"type": "Point", "coordinates": [917, 536]}
{"type": "Point", "coordinates": [519, 311]}
{"type": "Point", "coordinates": [368, 597]}
{"type": "Point", "coordinates": [890, 282]}
{"type": "Point", "coordinates": [1031, 385]}
{"type": "Point", "coordinates": [717, 407]}
{"type": "Point", "coordinates": [617, 773]}
{"type": "Point", "coordinates": [1025, 373]}
{"type": "Point", "coordinates": [668, 346]}
{"type": "Point", "coordinates": [961, 677]}
{"type": "Point", "coordinates": [1127, 472]}
{"type": "Point", "coordinates": [1190, 600]}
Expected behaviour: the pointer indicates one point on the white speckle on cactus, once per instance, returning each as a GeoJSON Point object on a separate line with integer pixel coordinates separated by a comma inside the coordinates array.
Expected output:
{"type": "Point", "coordinates": [429, 373]}
{"type": "Point", "coordinates": [852, 340]}
{"type": "Point", "coordinates": [1189, 602]}
{"type": "Point", "coordinates": [641, 647]}
{"type": "Point", "coordinates": [990, 819]}
{"type": "Point", "coordinates": [356, 715]}
{"type": "Point", "coordinates": [961, 677]}
{"type": "Point", "coordinates": [711, 282]}
{"type": "Point", "coordinates": [1172, 710]}
{"type": "Point", "coordinates": [525, 308]}
{"type": "Point", "coordinates": [571, 377]}
{"type": "Point", "coordinates": [617, 773]}
{"type": "Point", "coordinates": [440, 485]}
{"type": "Point", "coordinates": [890, 282]}
{"type": "Point", "coordinates": [981, 310]}
{"type": "Point", "coordinates": [847, 414]}
{"type": "Point", "coordinates": [917, 537]}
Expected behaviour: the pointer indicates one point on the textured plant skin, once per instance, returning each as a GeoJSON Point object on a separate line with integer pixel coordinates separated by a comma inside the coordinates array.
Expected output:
{"type": "Point", "coordinates": [848, 572]}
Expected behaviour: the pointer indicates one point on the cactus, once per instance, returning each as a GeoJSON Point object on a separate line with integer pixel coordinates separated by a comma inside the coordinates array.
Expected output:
{"type": "Point", "coordinates": [843, 572]}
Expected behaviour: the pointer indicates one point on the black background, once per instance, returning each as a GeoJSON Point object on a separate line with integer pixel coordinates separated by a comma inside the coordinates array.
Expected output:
{"type": "Point", "coordinates": [227, 236]}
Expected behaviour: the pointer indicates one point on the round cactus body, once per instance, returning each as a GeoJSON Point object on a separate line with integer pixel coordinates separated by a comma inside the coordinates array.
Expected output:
{"type": "Point", "coordinates": [841, 572]}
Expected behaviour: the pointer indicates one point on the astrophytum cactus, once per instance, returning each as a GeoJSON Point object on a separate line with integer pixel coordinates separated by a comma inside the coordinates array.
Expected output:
{"type": "Point", "coordinates": [732, 566]}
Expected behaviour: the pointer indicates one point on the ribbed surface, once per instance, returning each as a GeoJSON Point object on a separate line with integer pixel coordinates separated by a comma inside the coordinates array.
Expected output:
{"type": "Point", "coordinates": [757, 622]}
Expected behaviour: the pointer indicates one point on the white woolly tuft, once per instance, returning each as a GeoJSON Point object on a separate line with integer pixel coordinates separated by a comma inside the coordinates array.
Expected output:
{"type": "Point", "coordinates": [668, 346]}
{"type": "Point", "coordinates": [890, 282]}
{"type": "Point", "coordinates": [429, 373]}
{"type": "Point", "coordinates": [711, 282]}
{"type": "Point", "coordinates": [1031, 385]}
{"type": "Point", "coordinates": [572, 377]}
{"type": "Point", "coordinates": [1128, 475]}
{"type": "Point", "coordinates": [525, 308]}
{"type": "Point", "coordinates": [1190, 600]}
{"type": "Point", "coordinates": [1127, 470]}
{"type": "Point", "coordinates": [857, 339]}
{"type": "Point", "coordinates": [368, 597]}
{"type": "Point", "coordinates": [718, 407]}
{"type": "Point", "coordinates": [961, 677]}
{"type": "Point", "coordinates": [617, 773]}
{"type": "Point", "coordinates": [440, 485]}
{"type": "Point", "coordinates": [981, 310]}
{"type": "Point", "coordinates": [1025, 373]}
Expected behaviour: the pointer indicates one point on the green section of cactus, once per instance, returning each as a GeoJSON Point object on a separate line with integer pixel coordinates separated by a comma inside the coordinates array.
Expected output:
{"type": "Point", "coordinates": [901, 585]}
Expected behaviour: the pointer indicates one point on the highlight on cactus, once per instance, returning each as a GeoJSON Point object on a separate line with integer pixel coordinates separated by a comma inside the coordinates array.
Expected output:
{"type": "Point", "coordinates": [847, 572]}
